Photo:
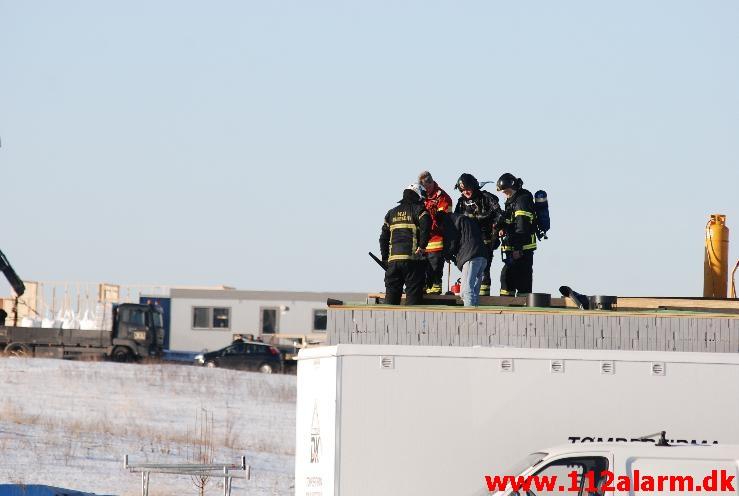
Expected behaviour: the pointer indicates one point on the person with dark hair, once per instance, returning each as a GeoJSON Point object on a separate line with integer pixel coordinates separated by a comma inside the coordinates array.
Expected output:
{"type": "Point", "coordinates": [403, 241]}
{"type": "Point", "coordinates": [518, 232]}
{"type": "Point", "coordinates": [436, 201]}
{"type": "Point", "coordinates": [484, 208]}
{"type": "Point", "coordinates": [464, 246]}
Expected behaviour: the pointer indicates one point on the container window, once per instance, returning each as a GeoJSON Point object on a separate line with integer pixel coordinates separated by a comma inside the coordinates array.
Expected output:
{"type": "Point", "coordinates": [221, 318]}
{"type": "Point", "coordinates": [320, 319]}
{"type": "Point", "coordinates": [200, 317]}
{"type": "Point", "coordinates": [269, 321]}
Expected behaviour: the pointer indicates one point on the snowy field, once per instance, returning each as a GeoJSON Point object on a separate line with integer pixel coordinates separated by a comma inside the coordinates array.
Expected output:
{"type": "Point", "coordinates": [68, 424]}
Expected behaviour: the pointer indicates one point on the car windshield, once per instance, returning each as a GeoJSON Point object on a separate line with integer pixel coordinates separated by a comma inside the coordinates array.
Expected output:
{"type": "Point", "coordinates": [520, 466]}
{"type": "Point", "coordinates": [526, 462]}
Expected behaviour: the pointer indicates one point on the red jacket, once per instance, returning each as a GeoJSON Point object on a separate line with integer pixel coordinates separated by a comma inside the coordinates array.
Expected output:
{"type": "Point", "coordinates": [439, 200]}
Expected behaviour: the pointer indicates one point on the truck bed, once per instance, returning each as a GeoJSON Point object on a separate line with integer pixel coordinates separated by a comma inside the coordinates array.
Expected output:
{"type": "Point", "coordinates": [42, 336]}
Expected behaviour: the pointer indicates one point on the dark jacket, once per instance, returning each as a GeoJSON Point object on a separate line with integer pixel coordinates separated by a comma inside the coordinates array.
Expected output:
{"type": "Point", "coordinates": [462, 239]}
{"type": "Point", "coordinates": [519, 222]}
{"type": "Point", "coordinates": [484, 208]}
{"type": "Point", "coordinates": [406, 228]}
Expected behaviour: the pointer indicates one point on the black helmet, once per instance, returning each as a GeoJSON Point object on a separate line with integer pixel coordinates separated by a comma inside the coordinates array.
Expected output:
{"type": "Point", "coordinates": [467, 181]}
{"type": "Point", "coordinates": [506, 181]}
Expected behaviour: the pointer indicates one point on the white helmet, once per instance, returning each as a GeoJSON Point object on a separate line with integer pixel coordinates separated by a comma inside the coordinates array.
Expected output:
{"type": "Point", "coordinates": [417, 189]}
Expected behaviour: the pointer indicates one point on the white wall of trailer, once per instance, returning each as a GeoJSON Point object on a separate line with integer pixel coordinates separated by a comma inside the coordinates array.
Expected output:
{"type": "Point", "coordinates": [400, 420]}
{"type": "Point", "coordinates": [294, 311]}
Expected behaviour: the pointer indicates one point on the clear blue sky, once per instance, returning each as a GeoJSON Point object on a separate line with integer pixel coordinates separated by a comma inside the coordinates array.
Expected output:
{"type": "Point", "coordinates": [260, 143]}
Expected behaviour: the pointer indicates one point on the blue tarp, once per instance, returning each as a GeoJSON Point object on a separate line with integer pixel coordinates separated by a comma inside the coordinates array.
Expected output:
{"type": "Point", "coordinates": [179, 356]}
{"type": "Point", "coordinates": [37, 490]}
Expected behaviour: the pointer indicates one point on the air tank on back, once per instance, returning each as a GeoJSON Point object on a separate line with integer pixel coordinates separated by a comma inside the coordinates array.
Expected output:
{"type": "Point", "coordinates": [716, 258]}
{"type": "Point", "coordinates": [541, 205]}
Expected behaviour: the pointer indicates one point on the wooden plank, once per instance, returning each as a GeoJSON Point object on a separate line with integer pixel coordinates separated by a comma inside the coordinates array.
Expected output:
{"type": "Point", "coordinates": [350, 327]}
{"type": "Point", "coordinates": [559, 336]}
{"type": "Point", "coordinates": [541, 330]}
{"type": "Point", "coordinates": [703, 336]}
{"type": "Point", "coordinates": [492, 329]}
{"type": "Point", "coordinates": [602, 340]}
{"type": "Point", "coordinates": [378, 317]}
{"type": "Point", "coordinates": [367, 326]}
{"type": "Point", "coordinates": [660, 337]}
{"type": "Point", "coordinates": [624, 302]}
{"type": "Point", "coordinates": [524, 330]}
{"type": "Point", "coordinates": [482, 331]}
{"type": "Point", "coordinates": [588, 333]}
{"type": "Point", "coordinates": [724, 332]}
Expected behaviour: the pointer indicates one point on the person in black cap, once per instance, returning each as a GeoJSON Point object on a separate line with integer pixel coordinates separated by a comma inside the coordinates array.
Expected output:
{"type": "Point", "coordinates": [483, 207]}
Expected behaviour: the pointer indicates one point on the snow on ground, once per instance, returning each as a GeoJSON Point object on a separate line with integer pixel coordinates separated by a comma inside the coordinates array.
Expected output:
{"type": "Point", "coordinates": [68, 424]}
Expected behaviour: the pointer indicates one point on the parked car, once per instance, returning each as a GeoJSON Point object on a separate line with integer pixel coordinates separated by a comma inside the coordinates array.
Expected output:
{"type": "Point", "coordinates": [244, 355]}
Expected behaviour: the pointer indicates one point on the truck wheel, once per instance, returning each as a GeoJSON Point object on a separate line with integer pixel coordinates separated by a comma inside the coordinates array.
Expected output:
{"type": "Point", "coordinates": [121, 354]}
{"type": "Point", "coordinates": [265, 368]}
{"type": "Point", "coordinates": [17, 350]}
{"type": "Point", "coordinates": [210, 364]}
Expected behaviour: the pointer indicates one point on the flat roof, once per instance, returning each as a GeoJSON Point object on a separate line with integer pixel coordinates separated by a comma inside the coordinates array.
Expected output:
{"type": "Point", "coordinates": [237, 294]}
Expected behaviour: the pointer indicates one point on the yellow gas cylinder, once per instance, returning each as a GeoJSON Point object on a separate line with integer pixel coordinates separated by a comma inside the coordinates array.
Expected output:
{"type": "Point", "coordinates": [716, 260]}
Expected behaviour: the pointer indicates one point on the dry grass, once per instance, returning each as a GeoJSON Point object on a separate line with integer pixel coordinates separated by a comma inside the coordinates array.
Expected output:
{"type": "Point", "coordinates": [93, 413]}
{"type": "Point", "coordinates": [131, 415]}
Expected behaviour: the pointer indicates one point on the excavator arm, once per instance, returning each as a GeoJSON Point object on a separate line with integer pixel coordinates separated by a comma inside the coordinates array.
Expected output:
{"type": "Point", "coordinates": [11, 276]}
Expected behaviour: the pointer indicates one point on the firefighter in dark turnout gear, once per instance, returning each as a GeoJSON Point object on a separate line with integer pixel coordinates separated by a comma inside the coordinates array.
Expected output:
{"type": "Point", "coordinates": [403, 240]}
{"type": "Point", "coordinates": [483, 207]}
{"type": "Point", "coordinates": [518, 232]}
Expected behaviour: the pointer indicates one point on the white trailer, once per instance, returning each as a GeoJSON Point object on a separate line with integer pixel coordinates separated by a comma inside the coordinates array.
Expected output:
{"type": "Point", "coordinates": [419, 420]}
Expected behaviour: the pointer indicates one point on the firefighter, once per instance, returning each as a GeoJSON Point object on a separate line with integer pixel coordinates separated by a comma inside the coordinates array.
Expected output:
{"type": "Point", "coordinates": [483, 207]}
{"type": "Point", "coordinates": [436, 201]}
{"type": "Point", "coordinates": [518, 232]}
{"type": "Point", "coordinates": [403, 241]}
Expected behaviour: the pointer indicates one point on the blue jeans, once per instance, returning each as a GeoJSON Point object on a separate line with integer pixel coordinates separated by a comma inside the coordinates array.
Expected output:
{"type": "Point", "coordinates": [472, 272]}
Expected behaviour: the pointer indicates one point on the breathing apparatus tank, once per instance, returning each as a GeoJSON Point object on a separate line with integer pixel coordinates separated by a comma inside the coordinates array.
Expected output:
{"type": "Point", "coordinates": [541, 205]}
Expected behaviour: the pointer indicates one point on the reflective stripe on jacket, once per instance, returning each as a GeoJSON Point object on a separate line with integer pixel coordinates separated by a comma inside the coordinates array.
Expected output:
{"type": "Point", "coordinates": [520, 222]}
{"type": "Point", "coordinates": [439, 200]}
{"type": "Point", "coordinates": [406, 228]}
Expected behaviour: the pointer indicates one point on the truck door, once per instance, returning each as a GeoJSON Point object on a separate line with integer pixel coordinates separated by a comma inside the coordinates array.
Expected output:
{"type": "Point", "coordinates": [132, 323]}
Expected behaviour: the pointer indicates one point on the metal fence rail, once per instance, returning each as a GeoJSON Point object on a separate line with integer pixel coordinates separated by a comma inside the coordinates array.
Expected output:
{"type": "Point", "coordinates": [227, 471]}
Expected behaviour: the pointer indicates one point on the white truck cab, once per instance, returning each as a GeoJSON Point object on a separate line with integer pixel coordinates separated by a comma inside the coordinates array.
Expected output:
{"type": "Point", "coordinates": [636, 468]}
